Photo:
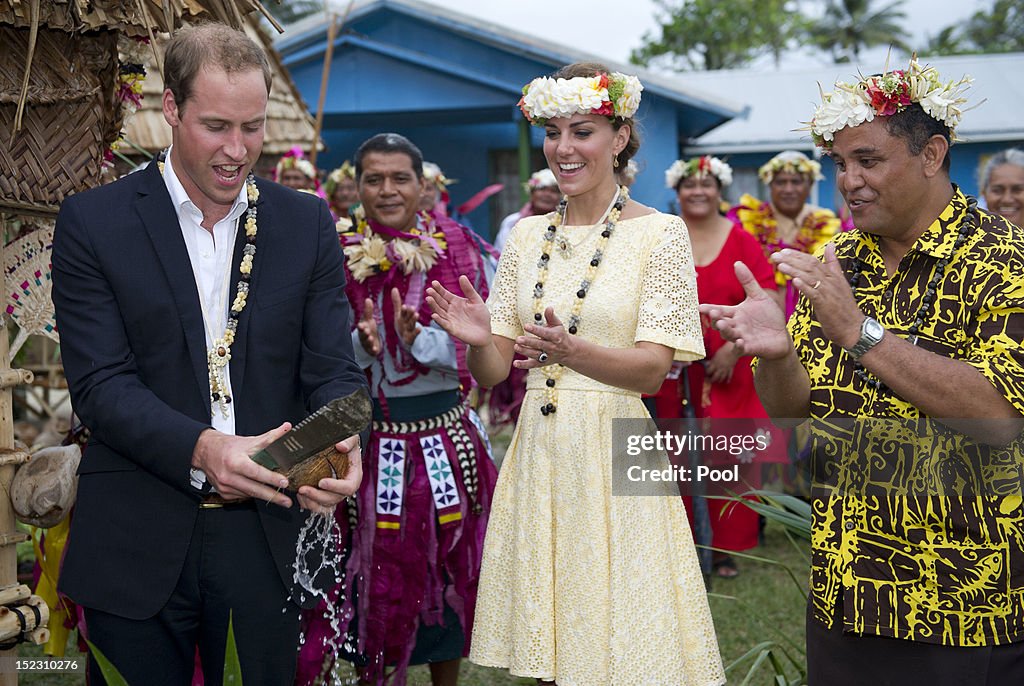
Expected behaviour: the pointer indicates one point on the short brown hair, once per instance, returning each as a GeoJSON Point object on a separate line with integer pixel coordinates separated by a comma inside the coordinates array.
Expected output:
{"type": "Point", "coordinates": [194, 47]}
{"type": "Point", "coordinates": [588, 69]}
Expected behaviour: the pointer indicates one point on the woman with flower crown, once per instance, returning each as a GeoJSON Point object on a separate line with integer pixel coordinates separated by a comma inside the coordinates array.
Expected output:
{"type": "Point", "coordinates": [579, 585]}
{"type": "Point", "coordinates": [342, 194]}
{"type": "Point", "coordinates": [723, 386]}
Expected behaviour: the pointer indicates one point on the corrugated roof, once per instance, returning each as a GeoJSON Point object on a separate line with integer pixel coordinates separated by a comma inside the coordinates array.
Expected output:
{"type": "Point", "coordinates": [780, 101]}
{"type": "Point", "coordinates": [288, 120]}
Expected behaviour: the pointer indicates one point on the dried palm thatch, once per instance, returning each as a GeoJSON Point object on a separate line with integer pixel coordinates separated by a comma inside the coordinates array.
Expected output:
{"type": "Point", "coordinates": [72, 115]}
{"type": "Point", "coordinates": [59, 111]}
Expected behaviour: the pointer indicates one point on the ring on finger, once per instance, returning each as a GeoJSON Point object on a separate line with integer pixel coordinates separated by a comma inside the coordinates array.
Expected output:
{"type": "Point", "coordinates": [543, 357]}
{"type": "Point", "coordinates": [816, 284]}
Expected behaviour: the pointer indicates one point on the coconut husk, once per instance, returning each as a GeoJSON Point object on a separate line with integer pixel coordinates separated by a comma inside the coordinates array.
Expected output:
{"type": "Point", "coordinates": [328, 463]}
{"type": "Point", "coordinates": [44, 488]}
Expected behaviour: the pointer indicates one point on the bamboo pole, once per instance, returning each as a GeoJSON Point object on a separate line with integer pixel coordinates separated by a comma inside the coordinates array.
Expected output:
{"type": "Point", "coordinates": [14, 594]}
{"type": "Point", "coordinates": [325, 77]}
{"type": "Point", "coordinates": [11, 622]}
{"type": "Point", "coordinates": [9, 461]}
{"type": "Point", "coordinates": [8, 552]}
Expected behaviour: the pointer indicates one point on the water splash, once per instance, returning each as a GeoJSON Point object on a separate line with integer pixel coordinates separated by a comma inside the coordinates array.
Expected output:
{"type": "Point", "coordinates": [318, 573]}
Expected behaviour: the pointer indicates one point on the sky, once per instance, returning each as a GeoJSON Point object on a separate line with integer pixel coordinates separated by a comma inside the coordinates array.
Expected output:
{"type": "Point", "coordinates": [613, 31]}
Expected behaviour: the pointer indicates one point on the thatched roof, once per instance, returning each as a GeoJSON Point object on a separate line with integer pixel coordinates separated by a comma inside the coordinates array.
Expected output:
{"type": "Point", "coordinates": [59, 82]}
{"type": "Point", "coordinates": [134, 17]}
{"type": "Point", "coordinates": [288, 120]}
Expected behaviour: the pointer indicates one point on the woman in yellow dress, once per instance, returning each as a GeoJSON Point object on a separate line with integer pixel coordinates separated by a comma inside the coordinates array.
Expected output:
{"type": "Point", "coordinates": [582, 586]}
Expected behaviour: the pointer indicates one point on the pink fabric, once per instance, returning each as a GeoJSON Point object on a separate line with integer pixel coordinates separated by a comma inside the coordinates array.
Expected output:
{"type": "Point", "coordinates": [402, 578]}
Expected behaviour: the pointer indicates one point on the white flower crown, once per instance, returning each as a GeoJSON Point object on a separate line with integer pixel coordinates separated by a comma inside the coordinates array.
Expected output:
{"type": "Point", "coordinates": [794, 163]}
{"type": "Point", "coordinates": [853, 104]}
{"type": "Point", "coordinates": [544, 178]}
{"type": "Point", "coordinates": [698, 166]}
{"type": "Point", "coordinates": [300, 163]}
{"type": "Point", "coordinates": [611, 95]}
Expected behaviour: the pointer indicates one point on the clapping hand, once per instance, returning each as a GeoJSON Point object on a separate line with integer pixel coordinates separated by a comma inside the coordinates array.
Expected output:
{"type": "Point", "coordinates": [720, 367]}
{"type": "Point", "coordinates": [466, 318]}
{"type": "Point", "coordinates": [369, 338]}
{"type": "Point", "coordinates": [757, 325]}
{"type": "Point", "coordinates": [407, 319]}
{"type": "Point", "coordinates": [549, 344]}
{"type": "Point", "coordinates": [826, 288]}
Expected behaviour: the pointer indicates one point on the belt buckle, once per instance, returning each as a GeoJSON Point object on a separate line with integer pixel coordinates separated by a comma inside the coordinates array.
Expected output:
{"type": "Point", "coordinates": [211, 502]}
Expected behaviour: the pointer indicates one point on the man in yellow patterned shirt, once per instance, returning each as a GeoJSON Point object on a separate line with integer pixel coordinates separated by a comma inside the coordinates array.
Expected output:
{"type": "Point", "coordinates": [918, 535]}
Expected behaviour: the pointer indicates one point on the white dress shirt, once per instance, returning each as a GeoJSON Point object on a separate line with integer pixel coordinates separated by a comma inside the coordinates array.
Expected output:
{"type": "Point", "coordinates": [210, 254]}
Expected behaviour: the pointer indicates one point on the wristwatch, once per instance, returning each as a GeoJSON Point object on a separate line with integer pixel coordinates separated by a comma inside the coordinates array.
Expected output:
{"type": "Point", "coordinates": [871, 333]}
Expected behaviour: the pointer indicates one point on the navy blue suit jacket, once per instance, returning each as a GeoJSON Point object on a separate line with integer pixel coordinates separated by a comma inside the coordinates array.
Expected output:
{"type": "Point", "coordinates": [134, 353]}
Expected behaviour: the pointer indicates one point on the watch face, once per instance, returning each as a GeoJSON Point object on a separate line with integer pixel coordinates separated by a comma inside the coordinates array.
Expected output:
{"type": "Point", "coordinates": [873, 329]}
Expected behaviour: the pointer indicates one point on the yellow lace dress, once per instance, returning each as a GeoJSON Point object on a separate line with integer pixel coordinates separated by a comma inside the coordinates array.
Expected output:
{"type": "Point", "coordinates": [580, 585]}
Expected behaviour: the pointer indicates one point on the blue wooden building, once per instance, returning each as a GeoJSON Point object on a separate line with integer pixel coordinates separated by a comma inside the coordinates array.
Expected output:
{"type": "Point", "coordinates": [780, 101]}
{"type": "Point", "coordinates": [451, 83]}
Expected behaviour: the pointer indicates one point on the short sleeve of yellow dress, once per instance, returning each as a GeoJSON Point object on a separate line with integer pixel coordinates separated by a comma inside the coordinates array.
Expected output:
{"type": "Point", "coordinates": [668, 292]}
{"type": "Point", "coordinates": [504, 291]}
{"type": "Point", "coordinates": [614, 578]}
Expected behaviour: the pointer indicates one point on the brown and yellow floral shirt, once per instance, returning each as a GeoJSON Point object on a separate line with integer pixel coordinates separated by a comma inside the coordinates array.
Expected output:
{"type": "Point", "coordinates": [919, 529]}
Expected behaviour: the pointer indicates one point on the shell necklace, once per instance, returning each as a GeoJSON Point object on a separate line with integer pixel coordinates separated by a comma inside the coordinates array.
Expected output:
{"type": "Point", "coordinates": [218, 354]}
{"type": "Point", "coordinates": [611, 216]}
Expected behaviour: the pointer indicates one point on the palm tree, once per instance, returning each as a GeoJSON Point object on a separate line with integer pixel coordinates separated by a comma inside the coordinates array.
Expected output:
{"type": "Point", "coordinates": [948, 41]}
{"type": "Point", "coordinates": [999, 30]}
{"type": "Point", "coordinates": [849, 26]}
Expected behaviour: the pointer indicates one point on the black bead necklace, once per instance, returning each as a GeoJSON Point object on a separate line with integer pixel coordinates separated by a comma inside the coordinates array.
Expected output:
{"type": "Point", "coordinates": [967, 227]}
{"type": "Point", "coordinates": [554, 372]}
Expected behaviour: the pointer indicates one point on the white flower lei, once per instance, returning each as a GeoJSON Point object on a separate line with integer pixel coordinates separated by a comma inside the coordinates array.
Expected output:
{"type": "Point", "coordinates": [682, 169]}
{"type": "Point", "coordinates": [853, 104]}
{"type": "Point", "coordinates": [612, 95]}
{"type": "Point", "coordinates": [369, 256]}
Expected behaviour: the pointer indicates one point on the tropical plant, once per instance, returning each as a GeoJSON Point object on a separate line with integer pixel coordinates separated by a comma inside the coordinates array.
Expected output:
{"type": "Point", "coordinates": [719, 34]}
{"type": "Point", "coordinates": [850, 26]}
{"type": "Point", "coordinates": [794, 516]}
{"type": "Point", "coordinates": [1000, 29]}
{"type": "Point", "coordinates": [948, 41]}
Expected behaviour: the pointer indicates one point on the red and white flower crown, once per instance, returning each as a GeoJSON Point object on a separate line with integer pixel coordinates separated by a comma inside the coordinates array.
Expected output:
{"type": "Point", "coordinates": [698, 166]}
{"type": "Point", "coordinates": [295, 159]}
{"type": "Point", "coordinates": [852, 104]}
{"type": "Point", "coordinates": [611, 95]}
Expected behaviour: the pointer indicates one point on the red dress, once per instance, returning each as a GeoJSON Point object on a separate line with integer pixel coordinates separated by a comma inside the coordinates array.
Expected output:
{"type": "Point", "coordinates": [734, 528]}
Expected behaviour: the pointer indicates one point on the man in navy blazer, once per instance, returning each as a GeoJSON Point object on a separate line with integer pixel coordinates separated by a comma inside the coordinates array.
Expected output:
{"type": "Point", "coordinates": [201, 312]}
